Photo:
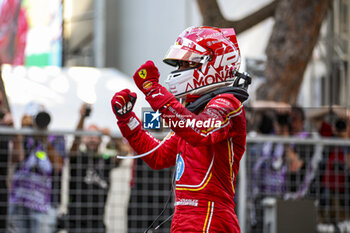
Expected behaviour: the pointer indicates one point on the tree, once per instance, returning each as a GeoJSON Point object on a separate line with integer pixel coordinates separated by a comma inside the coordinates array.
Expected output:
{"type": "Point", "coordinates": [212, 15]}
{"type": "Point", "coordinates": [294, 35]}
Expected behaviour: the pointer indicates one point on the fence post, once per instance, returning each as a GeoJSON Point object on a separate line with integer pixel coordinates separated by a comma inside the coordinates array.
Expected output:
{"type": "Point", "coordinates": [242, 192]}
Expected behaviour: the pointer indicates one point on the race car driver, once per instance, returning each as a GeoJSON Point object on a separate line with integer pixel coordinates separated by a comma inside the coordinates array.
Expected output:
{"type": "Point", "coordinates": [207, 143]}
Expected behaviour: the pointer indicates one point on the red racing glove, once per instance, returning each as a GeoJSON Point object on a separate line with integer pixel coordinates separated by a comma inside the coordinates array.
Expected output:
{"type": "Point", "coordinates": [147, 80]}
{"type": "Point", "coordinates": [123, 103]}
{"type": "Point", "coordinates": [147, 77]}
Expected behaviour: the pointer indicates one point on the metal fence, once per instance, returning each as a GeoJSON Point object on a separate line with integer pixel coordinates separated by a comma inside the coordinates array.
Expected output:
{"type": "Point", "coordinates": [305, 181]}
{"type": "Point", "coordinates": [293, 184]}
{"type": "Point", "coordinates": [93, 192]}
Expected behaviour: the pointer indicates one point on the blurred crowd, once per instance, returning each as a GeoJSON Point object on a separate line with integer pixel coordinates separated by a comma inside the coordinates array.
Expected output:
{"type": "Point", "coordinates": [37, 195]}
{"type": "Point", "coordinates": [33, 167]}
{"type": "Point", "coordinates": [286, 170]}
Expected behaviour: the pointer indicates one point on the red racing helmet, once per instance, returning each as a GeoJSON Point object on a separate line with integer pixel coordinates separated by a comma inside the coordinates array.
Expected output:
{"type": "Point", "coordinates": [212, 55]}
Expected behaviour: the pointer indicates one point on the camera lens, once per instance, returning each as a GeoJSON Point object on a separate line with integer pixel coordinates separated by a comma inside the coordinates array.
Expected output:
{"type": "Point", "coordinates": [42, 120]}
{"type": "Point", "coordinates": [2, 114]}
{"type": "Point", "coordinates": [88, 110]}
{"type": "Point", "coordinates": [340, 125]}
{"type": "Point", "coordinates": [283, 119]}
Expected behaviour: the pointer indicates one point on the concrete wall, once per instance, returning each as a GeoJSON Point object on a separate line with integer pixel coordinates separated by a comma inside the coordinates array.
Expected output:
{"type": "Point", "coordinates": [139, 30]}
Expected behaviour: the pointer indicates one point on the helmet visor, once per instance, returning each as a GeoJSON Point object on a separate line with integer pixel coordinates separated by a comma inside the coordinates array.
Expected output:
{"type": "Point", "coordinates": [176, 53]}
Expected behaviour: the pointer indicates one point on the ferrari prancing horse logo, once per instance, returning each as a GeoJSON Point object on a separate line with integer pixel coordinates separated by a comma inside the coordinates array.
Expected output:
{"type": "Point", "coordinates": [143, 73]}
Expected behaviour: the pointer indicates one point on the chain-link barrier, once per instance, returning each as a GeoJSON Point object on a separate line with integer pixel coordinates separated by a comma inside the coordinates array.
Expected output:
{"type": "Point", "coordinates": [283, 181]}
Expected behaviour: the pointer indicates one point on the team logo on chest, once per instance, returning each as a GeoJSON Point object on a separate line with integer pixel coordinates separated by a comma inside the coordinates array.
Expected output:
{"type": "Point", "coordinates": [180, 167]}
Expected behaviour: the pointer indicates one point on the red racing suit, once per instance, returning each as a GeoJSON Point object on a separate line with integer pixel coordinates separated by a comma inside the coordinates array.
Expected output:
{"type": "Point", "coordinates": [206, 158]}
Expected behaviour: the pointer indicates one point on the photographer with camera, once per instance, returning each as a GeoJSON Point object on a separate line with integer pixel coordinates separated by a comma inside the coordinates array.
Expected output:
{"type": "Point", "coordinates": [335, 167]}
{"type": "Point", "coordinates": [35, 189]}
{"type": "Point", "coordinates": [89, 178]}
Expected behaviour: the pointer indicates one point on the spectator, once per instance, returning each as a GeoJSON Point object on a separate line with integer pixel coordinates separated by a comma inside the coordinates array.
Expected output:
{"type": "Point", "coordinates": [271, 165]}
{"type": "Point", "coordinates": [116, 212]}
{"type": "Point", "coordinates": [34, 190]}
{"type": "Point", "coordinates": [333, 121]}
{"type": "Point", "coordinates": [298, 156]}
{"type": "Point", "coordinates": [335, 191]}
{"type": "Point", "coordinates": [334, 176]}
{"type": "Point", "coordinates": [89, 179]}
{"type": "Point", "coordinates": [265, 113]}
{"type": "Point", "coordinates": [297, 121]}
{"type": "Point", "coordinates": [270, 169]}
{"type": "Point", "coordinates": [6, 120]}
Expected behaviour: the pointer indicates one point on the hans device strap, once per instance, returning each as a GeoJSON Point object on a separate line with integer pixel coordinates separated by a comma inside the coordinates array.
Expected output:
{"type": "Point", "coordinates": [241, 94]}
{"type": "Point", "coordinates": [238, 90]}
